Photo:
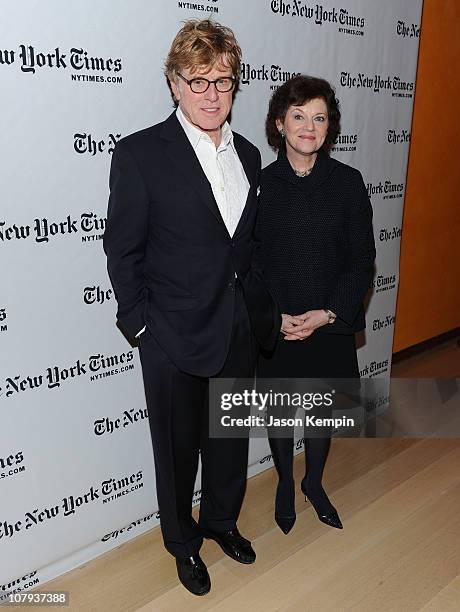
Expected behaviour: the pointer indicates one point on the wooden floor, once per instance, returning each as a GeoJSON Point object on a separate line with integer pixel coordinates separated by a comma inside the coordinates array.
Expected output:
{"type": "Point", "coordinates": [399, 550]}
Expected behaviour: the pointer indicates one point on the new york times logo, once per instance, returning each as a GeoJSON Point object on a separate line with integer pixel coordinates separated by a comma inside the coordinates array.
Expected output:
{"type": "Point", "coordinates": [375, 404]}
{"type": "Point", "coordinates": [113, 488]}
{"type": "Point", "coordinates": [19, 585]}
{"type": "Point", "coordinates": [129, 417]}
{"type": "Point", "coordinates": [113, 535]}
{"type": "Point", "coordinates": [398, 136]}
{"type": "Point", "coordinates": [11, 465]}
{"type": "Point", "coordinates": [84, 143]}
{"type": "Point", "coordinates": [386, 188]}
{"type": "Point", "coordinates": [347, 22]}
{"type": "Point", "coordinates": [108, 490]}
{"type": "Point", "coordinates": [297, 445]}
{"type": "Point", "coordinates": [345, 142]}
{"type": "Point", "coordinates": [274, 74]}
{"type": "Point", "coordinates": [387, 234]}
{"type": "Point", "coordinates": [32, 60]}
{"type": "Point", "coordinates": [374, 368]}
{"type": "Point", "coordinates": [45, 230]}
{"type": "Point", "coordinates": [407, 30]}
{"type": "Point", "coordinates": [384, 283]}
{"type": "Point", "coordinates": [98, 366]}
{"type": "Point", "coordinates": [377, 83]}
{"type": "Point", "coordinates": [379, 324]}
{"type": "Point", "coordinates": [195, 6]}
{"type": "Point", "coordinates": [96, 295]}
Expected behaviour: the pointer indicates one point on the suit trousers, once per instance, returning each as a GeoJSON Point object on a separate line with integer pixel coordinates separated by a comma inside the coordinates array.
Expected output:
{"type": "Point", "coordinates": [178, 409]}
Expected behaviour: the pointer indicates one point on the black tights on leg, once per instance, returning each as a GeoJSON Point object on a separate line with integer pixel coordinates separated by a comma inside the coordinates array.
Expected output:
{"type": "Point", "coordinates": [316, 452]}
{"type": "Point", "coordinates": [283, 456]}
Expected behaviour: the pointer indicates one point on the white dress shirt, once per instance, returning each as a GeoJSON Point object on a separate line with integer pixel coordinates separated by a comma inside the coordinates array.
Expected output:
{"type": "Point", "coordinates": [223, 169]}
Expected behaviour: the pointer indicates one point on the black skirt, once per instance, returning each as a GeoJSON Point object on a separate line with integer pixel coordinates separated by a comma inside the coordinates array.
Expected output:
{"type": "Point", "coordinates": [330, 359]}
{"type": "Point", "coordinates": [319, 356]}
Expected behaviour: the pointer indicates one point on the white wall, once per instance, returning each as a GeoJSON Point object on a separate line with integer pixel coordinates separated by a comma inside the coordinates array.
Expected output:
{"type": "Point", "coordinates": [74, 78]}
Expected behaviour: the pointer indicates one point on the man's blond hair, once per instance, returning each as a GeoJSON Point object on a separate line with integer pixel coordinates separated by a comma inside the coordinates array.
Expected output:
{"type": "Point", "coordinates": [203, 44]}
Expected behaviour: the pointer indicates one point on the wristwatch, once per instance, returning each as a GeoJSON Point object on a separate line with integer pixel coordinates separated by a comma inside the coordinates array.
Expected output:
{"type": "Point", "coordinates": [330, 315]}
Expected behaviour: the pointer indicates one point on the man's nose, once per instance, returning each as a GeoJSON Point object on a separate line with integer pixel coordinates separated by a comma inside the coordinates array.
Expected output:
{"type": "Point", "coordinates": [211, 93]}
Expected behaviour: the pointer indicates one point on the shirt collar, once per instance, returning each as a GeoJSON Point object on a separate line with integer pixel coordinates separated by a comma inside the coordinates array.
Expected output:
{"type": "Point", "coordinates": [195, 135]}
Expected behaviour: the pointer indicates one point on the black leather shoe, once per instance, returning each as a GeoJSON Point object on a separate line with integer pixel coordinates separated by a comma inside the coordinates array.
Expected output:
{"type": "Point", "coordinates": [331, 518]}
{"type": "Point", "coordinates": [193, 574]}
{"type": "Point", "coordinates": [285, 523]}
{"type": "Point", "coordinates": [326, 514]}
{"type": "Point", "coordinates": [233, 544]}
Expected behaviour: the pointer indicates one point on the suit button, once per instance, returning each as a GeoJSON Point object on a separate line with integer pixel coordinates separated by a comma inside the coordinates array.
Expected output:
{"type": "Point", "coordinates": [232, 245]}
{"type": "Point", "coordinates": [231, 286]}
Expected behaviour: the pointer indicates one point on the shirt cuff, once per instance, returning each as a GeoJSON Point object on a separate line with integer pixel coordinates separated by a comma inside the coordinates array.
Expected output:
{"type": "Point", "coordinates": [140, 332]}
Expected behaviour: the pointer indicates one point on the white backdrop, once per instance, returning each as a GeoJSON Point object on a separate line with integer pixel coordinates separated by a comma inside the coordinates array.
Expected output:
{"type": "Point", "coordinates": [76, 466]}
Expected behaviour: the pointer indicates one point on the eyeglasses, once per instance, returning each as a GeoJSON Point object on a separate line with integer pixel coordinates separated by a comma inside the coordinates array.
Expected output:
{"type": "Point", "coordinates": [200, 85]}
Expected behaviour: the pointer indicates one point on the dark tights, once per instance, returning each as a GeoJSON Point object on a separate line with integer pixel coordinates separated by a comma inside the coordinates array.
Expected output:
{"type": "Point", "coordinates": [316, 452]}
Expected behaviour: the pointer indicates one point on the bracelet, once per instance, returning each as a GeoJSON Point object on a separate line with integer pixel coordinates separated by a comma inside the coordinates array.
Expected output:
{"type": "Point", "coordinates": [331, 316]}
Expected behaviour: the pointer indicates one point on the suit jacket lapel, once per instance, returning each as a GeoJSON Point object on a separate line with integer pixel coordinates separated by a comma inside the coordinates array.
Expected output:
{"type": "Point", "coordinates": [182, 155]}
{"type": "Point", "coordinates": [251, 176]}
{"type": "Point", "coordinates": [243, 158]}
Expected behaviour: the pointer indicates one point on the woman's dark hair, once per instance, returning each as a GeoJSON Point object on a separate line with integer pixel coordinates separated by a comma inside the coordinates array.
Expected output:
{"type": "Point", "coordinates": [296, 92]}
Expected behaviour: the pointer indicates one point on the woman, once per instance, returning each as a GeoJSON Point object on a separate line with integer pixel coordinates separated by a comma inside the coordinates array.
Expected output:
{"type": "Point", "coordinates": [317, 250]}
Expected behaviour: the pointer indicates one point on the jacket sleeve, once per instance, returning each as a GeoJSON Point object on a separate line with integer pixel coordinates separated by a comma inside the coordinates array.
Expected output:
{"type": "Point", "coordinates": [353, 284]}
{"type": "Point", "coordinates": [262, 306]}
{"type": "Point", "coordinates": [125, 238]}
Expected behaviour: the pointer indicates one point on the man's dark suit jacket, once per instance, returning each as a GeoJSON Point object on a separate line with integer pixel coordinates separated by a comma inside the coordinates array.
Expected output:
{"type": "Point", "coordinates": [170, 258]}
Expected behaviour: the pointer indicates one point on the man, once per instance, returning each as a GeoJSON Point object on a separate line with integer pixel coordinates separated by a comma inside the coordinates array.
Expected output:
{"type": "Point", "coordinates": [179, 246]}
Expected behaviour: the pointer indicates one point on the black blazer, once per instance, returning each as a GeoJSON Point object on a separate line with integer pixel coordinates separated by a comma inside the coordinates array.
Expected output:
{"type": "Point", "coordinates": [316, 240]}
{"type": "Point", "coordinates": [170, 258]}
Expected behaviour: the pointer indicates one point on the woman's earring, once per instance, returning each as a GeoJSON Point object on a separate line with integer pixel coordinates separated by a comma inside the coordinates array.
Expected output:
{"type": "Point", "coordinates": [282, 132]}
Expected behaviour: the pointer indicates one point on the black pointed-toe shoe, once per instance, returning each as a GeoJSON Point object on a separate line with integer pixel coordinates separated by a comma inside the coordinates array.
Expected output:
{"type": "Point", "coordinates": [331, 518]}
{"type": "Point", "coordinates": [327, 515]}
{"type": "Point", "coordinates": [285, 523]}
{"type": "Point", "coordinates": [233, 544]}
{"type": "Point", "coordinates": [193, 574]}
